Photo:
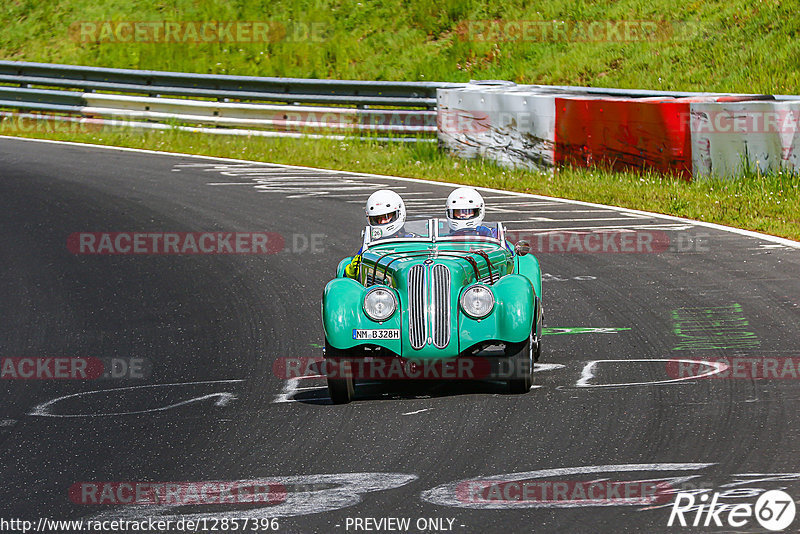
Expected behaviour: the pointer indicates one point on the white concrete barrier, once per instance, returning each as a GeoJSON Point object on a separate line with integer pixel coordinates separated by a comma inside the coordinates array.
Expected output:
{"type": "Point", "coordinates": [513, 125]}
{"type": "Point", "coordinates": [690, 136]}
{"type": "Point", "coordinates": [728, 136]}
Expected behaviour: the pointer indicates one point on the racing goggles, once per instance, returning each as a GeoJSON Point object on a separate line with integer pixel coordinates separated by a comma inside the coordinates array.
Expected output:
{"type": "Point", "coordinates": [463, 214]}
{"type": "Point", "coordinates": [386, 218]}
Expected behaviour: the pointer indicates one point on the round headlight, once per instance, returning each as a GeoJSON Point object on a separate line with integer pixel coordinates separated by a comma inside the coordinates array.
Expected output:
{"type": "Point", "coordinates": [477, 301]}
{"type": "Point", "coordinates": [379, 304]}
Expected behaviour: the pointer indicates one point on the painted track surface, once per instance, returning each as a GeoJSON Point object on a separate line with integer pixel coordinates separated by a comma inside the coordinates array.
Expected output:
{"type": "Point", "coordinates": [212, 326]}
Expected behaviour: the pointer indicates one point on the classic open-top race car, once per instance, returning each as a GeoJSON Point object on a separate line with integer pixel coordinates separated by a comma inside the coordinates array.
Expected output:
{"type": "Point", "coordinates": [430, 294]}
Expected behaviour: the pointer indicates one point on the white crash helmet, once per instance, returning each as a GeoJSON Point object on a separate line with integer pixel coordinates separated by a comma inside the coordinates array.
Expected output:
{"type": "Point", "coordinates": [386, 213]}
{"type": "Point", "coordinates": [465, 209]}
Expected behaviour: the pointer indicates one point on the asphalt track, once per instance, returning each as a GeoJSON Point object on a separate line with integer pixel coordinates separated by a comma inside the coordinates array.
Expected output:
{"type": "Point", "coordinates": [210, 328]}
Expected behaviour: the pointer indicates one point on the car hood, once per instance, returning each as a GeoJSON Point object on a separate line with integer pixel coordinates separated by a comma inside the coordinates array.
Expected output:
{"type": "Point", "coordinates": [390, 264]}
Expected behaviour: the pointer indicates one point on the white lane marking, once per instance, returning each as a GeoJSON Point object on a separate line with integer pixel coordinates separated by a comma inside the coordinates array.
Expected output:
{"type": "Point", "coordinates": [566, 211]}
{"type": "Point", "coordinates": [230, 183]}
{"type": "Point", "coordinates": [457, 494]}
{"type": "Point", "coordinates": [720, 227]}
{"type": "Point", "coordinates": [365, 197]}
{"type": "Point", "coordinates": [532, 220]}
{"type": "Point", "coordinates": [7, 422]}
{"type": "Point", "coordinates": [673, 227]}
{"type": "Point", "coordinates": [565, 220]}
{"type": "Point", "coordinates": [493, 197]}
{"type": "Point", "coordinates": [547, 277]}
{"type": "Point", "coordinates": [510, 201]}
{"type": "Point", "coordinates": [418, 411]}
{"type": "Point", "coordinates": [223, 399]}
{"type": "Point", "coordinates": [587, 374]}
{"type": "Point", "coordinates": [542, 367]}
{"type": "Point", "coordinates": [292, 387]}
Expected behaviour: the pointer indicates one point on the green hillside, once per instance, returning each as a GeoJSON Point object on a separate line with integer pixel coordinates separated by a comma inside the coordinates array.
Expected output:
{"type": "Point", "coordinates": [733, 46]}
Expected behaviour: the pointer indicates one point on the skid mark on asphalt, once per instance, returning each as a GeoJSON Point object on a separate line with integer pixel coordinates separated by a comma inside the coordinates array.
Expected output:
{"type": "Point", "coordinates": [563, 378]}
{"type": "Point", "coordinates": [418, 411]}
{"type": "Point", "coordinates": [116, 397]}
{"type": "Point", "coordinates": [297, 183]}
{"type": "Point", "coordinates": [589, 370]}
{"type": "Point", "coordinates": [565, 330]}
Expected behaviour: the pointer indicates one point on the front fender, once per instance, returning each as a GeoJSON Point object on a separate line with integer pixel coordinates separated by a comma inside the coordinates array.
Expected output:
{"type": "Point", "coordinates": [342, 266]}
{"type": "Point", "coordinates": [528, 266]}
{"type": "Point", "coordinates": [343, 312]}
{"type": "Point", "coordinates": [511, 319]}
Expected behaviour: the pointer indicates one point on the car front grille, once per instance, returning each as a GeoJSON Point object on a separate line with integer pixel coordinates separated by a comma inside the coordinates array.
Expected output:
{"type": "Point", "coordinates": [440, 317]}
{"type": "Point", "coordinates": [370, 281]}
{"type": "Point", "coordinates": [417, 323]}
{"type": "Point", "coordinates": [488, 279]}
{"type": "Point", "coordinates": [423, 318]}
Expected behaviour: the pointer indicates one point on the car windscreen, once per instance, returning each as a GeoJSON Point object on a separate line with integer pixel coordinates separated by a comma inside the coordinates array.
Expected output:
{"type": "Point", "coordinates": [487, 231]}
{"type": "Point", "coordinates": [411, 230]}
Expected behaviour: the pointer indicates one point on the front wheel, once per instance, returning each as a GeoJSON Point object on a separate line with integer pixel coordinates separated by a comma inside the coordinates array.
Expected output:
{"type": "Point", "coordinates": [520, 357]}
{"type": "Point", "coordinates": [340, 390]}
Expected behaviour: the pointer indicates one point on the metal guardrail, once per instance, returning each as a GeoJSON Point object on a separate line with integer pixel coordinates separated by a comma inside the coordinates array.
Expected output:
{"type": "Point", "coordinates": [244, 105]}
{"type": "Point", "coordinates": [233, 105]}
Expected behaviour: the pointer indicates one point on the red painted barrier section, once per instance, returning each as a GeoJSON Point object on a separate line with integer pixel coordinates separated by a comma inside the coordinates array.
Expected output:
{"type": "Point", "coordinates": [624, 134]}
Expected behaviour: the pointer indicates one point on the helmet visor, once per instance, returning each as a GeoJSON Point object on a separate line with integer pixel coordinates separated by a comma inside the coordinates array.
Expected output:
{"type": "Point", "coordinates": [386, 218]}
{"type": "Point", "coordinates": [464, 214]}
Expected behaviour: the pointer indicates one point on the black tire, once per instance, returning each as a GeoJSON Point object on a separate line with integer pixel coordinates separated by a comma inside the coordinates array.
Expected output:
{"type": "Point", "coordinates": [340, 390]}
{"type": "Point", "coordinates": [537, 333]}
{"type": "Point", "coordinates": [521, 357]}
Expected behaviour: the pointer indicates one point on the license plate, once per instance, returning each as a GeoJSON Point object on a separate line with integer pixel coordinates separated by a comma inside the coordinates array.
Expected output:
{"type": "Point", "coordinates": [379, 333]}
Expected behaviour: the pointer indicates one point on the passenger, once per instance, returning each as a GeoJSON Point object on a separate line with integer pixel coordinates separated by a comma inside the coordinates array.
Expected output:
{"type": "Point", "coordinates": [386, 216]}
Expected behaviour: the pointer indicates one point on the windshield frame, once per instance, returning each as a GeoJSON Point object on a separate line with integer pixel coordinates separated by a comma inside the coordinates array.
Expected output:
{"type": "Point", "coordinates": [435, 236]}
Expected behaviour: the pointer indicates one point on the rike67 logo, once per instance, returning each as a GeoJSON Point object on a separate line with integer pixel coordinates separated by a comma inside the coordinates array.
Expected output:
{"type": "Point", "coordinates": [774, 510]}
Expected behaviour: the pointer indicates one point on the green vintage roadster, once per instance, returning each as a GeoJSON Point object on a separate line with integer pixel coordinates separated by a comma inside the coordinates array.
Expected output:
{"type": "Point", "coordinates": [427, 294]}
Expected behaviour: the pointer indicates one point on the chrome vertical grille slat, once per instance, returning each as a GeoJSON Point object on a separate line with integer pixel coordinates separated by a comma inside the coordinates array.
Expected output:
{"type": "Point", "coordinates": [417, 325]}
{"type": "Point", "coordinates": [440, 318]}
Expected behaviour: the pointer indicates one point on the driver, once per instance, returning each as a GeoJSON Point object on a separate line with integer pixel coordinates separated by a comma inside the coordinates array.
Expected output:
{"type": "Point", "coordinates": [465, 212]}
{"type": "Point", "coordinates": [386, 215]}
